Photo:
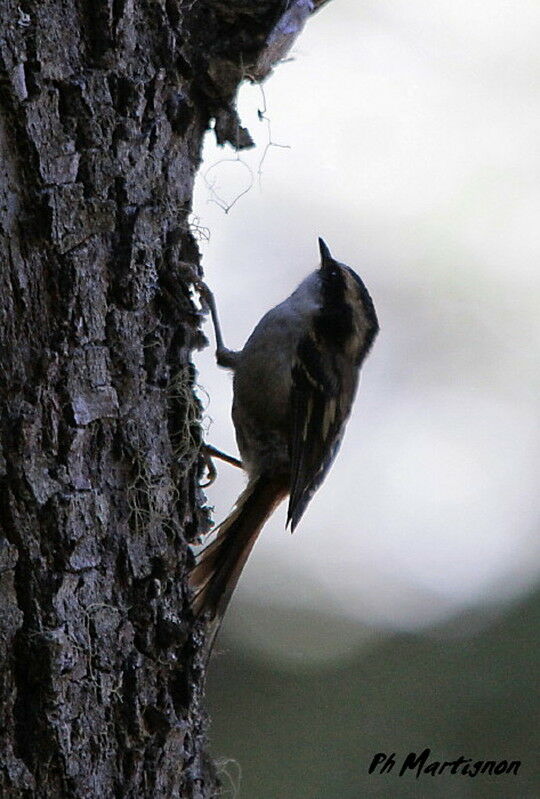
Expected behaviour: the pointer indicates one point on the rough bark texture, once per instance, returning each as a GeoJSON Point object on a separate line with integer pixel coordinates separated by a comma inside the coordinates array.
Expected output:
{"type": "Point", "coordinates": [103, 107]}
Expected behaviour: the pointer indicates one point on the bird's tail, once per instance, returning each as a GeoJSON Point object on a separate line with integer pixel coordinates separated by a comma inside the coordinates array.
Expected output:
{"type": "Point", "coordinates": [218, 567]}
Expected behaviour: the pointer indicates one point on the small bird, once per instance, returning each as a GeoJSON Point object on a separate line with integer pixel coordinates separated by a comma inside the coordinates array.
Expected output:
{"type": "Point", "coordinates": [294, 384]}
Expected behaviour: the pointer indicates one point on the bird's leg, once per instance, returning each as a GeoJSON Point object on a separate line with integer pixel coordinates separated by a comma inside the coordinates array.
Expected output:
{"type": "Point", "coordinates": [224, 356]}
{"type": "Point", "coordinates": [213, 452]}
{"type": "Point", "coordinates": [208, 452]}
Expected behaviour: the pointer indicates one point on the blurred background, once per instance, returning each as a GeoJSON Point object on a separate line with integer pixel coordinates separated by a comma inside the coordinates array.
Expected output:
{"type": "Point", "coordinates": [404, 611]}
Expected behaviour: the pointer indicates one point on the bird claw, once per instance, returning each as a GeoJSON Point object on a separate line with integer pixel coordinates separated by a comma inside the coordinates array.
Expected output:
{"type": "Point", "coordinates": [209, 452]}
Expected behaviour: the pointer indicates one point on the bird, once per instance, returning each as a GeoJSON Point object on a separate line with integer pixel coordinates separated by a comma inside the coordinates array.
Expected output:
{"type": "Point", "coordinates": [294, 383]}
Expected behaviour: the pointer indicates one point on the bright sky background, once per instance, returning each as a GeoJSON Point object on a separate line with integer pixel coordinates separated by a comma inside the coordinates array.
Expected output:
{"type": "Point", "coordinates": [413, 148]}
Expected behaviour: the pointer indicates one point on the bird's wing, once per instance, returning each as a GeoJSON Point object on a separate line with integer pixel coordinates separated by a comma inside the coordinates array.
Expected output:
{"type": "Point", "coordinates": [319, 409]}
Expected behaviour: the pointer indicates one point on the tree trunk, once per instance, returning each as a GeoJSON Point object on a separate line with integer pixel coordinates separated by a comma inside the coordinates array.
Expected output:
{"type": "Point", "coordinates": [103, 108]}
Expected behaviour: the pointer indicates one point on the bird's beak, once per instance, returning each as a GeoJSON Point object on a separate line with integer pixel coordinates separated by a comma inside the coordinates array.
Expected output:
{"type": "Point", "coordinates": [326, 255]}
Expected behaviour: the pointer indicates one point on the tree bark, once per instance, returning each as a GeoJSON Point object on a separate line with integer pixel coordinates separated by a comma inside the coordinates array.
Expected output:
{"type": "Point", "coordinates": [103, 108]}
